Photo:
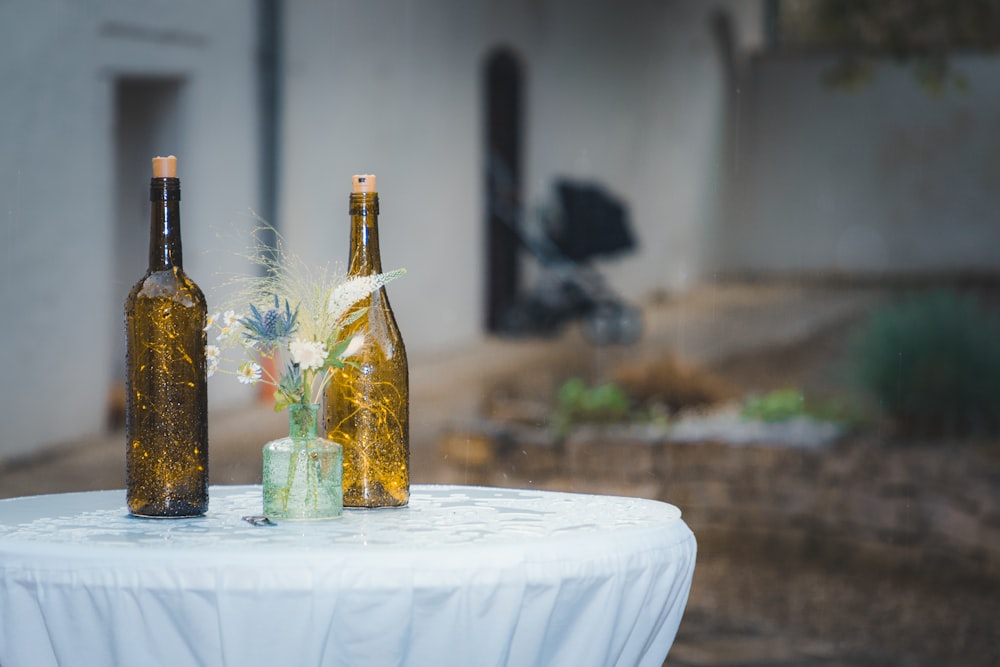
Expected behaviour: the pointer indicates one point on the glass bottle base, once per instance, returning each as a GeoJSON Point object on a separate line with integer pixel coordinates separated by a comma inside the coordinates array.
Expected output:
{"type": "Point", "coordinates": [302, 480]}
{"type": "Point", "coordinates": [174, 511]}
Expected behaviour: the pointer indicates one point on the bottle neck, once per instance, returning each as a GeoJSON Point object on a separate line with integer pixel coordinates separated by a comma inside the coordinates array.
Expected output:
{"type": "Point", "coordinates": [165, 224]}
{"type": "Point", "coordinates": [365, 258]}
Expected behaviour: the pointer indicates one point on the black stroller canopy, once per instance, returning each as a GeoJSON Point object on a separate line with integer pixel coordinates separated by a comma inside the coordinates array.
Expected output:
{"type": "Point", "coordinates": [592, 222]}
{"type": "Point", "coordinates": [585, 223]}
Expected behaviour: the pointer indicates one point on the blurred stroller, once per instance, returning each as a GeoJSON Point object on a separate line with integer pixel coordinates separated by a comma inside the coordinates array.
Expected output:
{"type": "Point", "coordinates": [585, 223]}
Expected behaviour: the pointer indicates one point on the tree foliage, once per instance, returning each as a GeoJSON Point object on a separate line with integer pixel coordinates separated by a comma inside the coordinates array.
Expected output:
{"type": "Point", "coordinates": [922, 34]}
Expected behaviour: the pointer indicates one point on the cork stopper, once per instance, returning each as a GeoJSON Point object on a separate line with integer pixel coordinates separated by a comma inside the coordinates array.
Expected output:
{"type": "Point", "coordinates": [165, 167]}
{"type": "Point", "coordinates": [363, 183]}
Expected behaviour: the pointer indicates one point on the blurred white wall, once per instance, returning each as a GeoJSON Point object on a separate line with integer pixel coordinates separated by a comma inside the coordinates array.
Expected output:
{"type": "Point", "coordinates": [62, 67]}
{"type": "Point", "coordinates": [628, 94]}
{"type": "Point", "coordinates": [887, 180]}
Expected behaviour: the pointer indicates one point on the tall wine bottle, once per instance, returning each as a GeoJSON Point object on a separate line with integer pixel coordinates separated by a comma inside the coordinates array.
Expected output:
{"type": "Point", "coordinates": [166, 420]}
{"type": "Point", "coordinates": [368, 408]}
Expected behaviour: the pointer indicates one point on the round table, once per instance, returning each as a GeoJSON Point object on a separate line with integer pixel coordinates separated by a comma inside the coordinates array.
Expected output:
{"type": "Point", "coordinates": [462, 576]}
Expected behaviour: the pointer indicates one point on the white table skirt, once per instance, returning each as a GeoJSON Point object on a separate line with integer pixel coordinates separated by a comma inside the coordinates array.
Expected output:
{"type": "Point", "coordinates": [462, 576]}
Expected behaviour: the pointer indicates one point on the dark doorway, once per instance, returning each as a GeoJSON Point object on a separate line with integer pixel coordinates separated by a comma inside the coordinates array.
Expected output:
{"type": "Point", "coordinates": [503, 106]}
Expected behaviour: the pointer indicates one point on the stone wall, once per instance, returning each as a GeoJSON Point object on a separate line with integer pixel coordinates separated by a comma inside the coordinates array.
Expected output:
{"type": "Point", "coordinates": [931, 511]}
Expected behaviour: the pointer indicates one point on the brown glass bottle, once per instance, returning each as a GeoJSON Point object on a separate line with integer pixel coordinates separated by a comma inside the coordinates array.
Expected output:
{"type": "Point", "coordinates": [166, 420]}
{"type": "Point", "coordinates": [368, 408]}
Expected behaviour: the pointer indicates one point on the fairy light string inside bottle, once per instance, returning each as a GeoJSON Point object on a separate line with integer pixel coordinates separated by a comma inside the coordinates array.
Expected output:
{"type": "Point", "coordinates": [367, 406]}
{"type": "Point", "coordinates": [166, 416]}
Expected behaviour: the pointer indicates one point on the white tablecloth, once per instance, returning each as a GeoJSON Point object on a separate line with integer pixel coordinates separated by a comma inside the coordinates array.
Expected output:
{"type": "Point", "coordinates": [464, 576]}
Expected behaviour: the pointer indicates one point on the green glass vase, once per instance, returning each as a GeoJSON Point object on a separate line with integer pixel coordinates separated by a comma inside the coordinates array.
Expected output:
{"type": "Point", "coordinates": [303, 473]}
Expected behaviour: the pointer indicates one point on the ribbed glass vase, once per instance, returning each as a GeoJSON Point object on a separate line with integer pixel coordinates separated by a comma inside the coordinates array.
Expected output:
{"type": "Point", "coordinates": [303, 473]}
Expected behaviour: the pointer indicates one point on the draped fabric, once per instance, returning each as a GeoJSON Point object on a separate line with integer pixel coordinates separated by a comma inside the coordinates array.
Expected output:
{"type": "Point", "coordinates": [462, 576]}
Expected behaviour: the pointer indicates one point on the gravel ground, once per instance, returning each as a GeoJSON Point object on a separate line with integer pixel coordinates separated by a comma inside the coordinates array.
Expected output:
{"type": "Point", "coordinates": [747, 610]}
{"type": "Point", "coordinates": [753, 609]}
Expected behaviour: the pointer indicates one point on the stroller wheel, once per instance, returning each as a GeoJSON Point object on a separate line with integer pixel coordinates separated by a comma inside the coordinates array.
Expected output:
{"type": "Point", "coordinates": [612, 323]}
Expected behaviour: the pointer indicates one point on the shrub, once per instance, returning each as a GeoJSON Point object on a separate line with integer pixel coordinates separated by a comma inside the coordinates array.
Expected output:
{"type": "Point", "coordinates": [775, 406]}
{"type": "Point", "coordinates": [932, 362]}
{"type": "Point", "coordinates": [576, 402]}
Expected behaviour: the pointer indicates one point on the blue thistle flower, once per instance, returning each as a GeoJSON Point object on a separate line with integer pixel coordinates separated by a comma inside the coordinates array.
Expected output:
{"type": "Point", "coordinates": [269, 329]}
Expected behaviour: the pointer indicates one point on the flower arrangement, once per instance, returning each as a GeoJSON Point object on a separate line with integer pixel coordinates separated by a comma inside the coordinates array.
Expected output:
{"type": "Point", "coordinates": [295, 318]}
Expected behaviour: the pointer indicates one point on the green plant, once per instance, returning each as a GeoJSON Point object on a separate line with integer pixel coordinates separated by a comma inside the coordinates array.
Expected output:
{"type": "Point", "coordinates": [576, 402]}
{"type": "Point", "coordinates": [775, 406]}
{"type": "Point", "coordinates": [784, 404]}
{"type": "Point", "coordinates": [932, 362]}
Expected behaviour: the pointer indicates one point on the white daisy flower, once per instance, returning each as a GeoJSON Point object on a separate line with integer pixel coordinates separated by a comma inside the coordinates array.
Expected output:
{"type": "Point", "coordinates": [249, 372]}
{"type": "Point", "coordinates": [230, 320]}
{"type": "Point", "coordinates": [212, 357]}
{"type": "Point", "coordinates": [308, 354]}
{"type": "Point", "coordinates": [212, 319]}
